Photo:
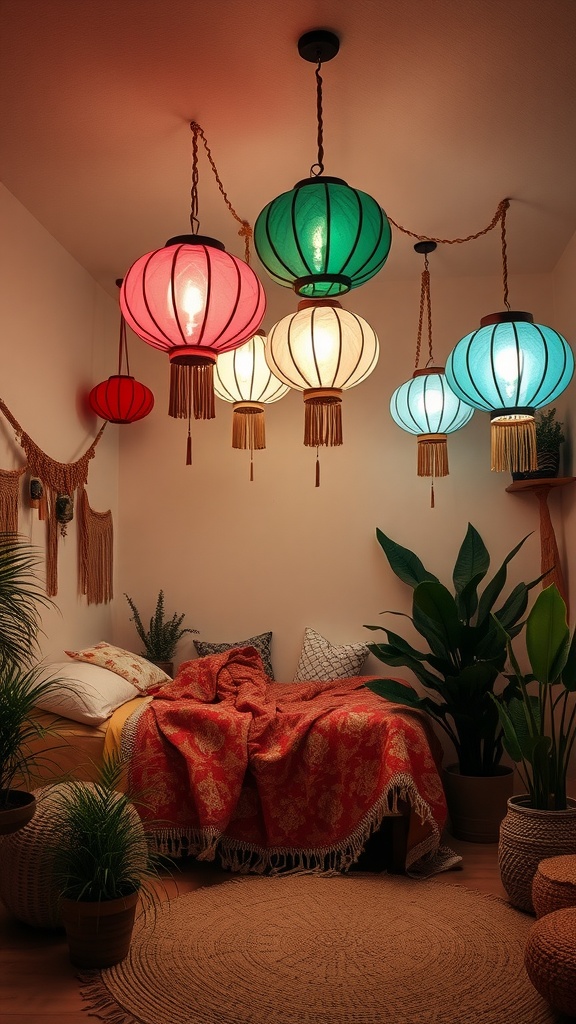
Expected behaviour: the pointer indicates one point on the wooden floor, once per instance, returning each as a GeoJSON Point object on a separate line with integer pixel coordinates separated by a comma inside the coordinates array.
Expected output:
{"type": "Point", "coordinates": [38, 983]}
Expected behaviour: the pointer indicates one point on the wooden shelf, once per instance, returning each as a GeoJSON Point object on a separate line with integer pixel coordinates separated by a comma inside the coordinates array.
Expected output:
{"type": "Point", "coordinates": [550, 562]}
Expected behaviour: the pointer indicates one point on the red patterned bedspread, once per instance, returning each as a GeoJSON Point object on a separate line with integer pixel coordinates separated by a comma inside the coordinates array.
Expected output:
{"type": "Point", "coordinates": [275, 773]}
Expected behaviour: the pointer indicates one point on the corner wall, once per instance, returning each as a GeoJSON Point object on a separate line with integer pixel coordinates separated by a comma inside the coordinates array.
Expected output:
{"type": "Point", "coordinates": [59, 337]}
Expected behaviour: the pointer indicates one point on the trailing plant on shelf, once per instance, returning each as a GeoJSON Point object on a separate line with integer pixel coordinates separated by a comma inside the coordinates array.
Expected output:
{"type": "Point", "coordinates": [22, 684]}
{"type": "Point", "coordinates": [467, 635]}
{"type": "Point", "coordinates": [162, 636]}
{"type": "Point", "coordinates": [539, 721]}
{"type": "Point", "coordinates": [549, 437]}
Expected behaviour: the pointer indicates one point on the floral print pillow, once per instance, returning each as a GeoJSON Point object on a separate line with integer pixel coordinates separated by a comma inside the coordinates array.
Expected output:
{"type": "Point", "coordinates": [139, 671]}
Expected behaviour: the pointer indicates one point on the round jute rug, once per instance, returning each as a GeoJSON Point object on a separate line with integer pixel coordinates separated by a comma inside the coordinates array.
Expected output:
{"type": "Point", "coordinates": [307, 949]}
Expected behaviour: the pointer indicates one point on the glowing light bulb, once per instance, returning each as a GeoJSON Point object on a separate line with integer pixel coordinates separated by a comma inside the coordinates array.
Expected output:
{"type": "Point", "coordinates": [318, 247]}
{"type": "Point", "coordinates": [323, 344]}
{"type": "Point", "coordinates": [244, 363]}
{"type": "Point", "coordinates": [192, 303]}
{"type": "Point", "coordinates": [508, 366]}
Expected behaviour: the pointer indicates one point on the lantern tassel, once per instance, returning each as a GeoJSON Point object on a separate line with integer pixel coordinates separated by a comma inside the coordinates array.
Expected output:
{"type": "Point", "coordinates": [432, 493]}
{"type": "Point", "coordinates": [513, 446]}
{"type": "Point", "coordinates": [189, 450]}
{"type": "Point", "coordinates": [322, 419]}
{"type": "Point", "coordinates": [432, 455]}
{"type": "Point", "coordinates": [317, 469]}
{"type": "Point", "coordinates": [179, 391]}
{"type": "Point", "coordinates": [248, 428]}
{"type": "Point", "coordinates": [203, 392]}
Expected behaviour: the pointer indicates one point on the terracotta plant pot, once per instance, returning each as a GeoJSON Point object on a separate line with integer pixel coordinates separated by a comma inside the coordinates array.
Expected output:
{"type": "Point", "coordinates": [527, 836]}
{"type": "Point", "coordinates": [99, 934]}
{"type": "Point", "coordinates": [477, 803]}
{"type": "Point", "coordinates": [20, 810]}
{"type": "Point", "coordinates": [166, 666]}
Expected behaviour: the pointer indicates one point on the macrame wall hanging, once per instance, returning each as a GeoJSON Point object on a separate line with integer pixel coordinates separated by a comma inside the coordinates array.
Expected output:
{"type": "Point", "coordinates": [52, 489]}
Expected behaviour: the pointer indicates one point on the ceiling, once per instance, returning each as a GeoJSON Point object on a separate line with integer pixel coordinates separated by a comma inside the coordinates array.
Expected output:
{"type": "Point", "coordinates": [437, 108]}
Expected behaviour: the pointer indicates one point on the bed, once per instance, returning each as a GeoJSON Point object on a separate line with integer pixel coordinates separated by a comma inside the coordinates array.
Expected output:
{"type": "Point", "coordinates": [268, 776]}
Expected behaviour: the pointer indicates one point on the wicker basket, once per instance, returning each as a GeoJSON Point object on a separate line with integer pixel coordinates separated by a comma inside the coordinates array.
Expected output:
{"type": "Point", "coordinates": [527, 836]}
{"type": "Point", "coordinates": [554, 885]}
{"type": "Point", "coordinates": [26, 884]}
{"type": "Point", "coordinates": [550, 959]}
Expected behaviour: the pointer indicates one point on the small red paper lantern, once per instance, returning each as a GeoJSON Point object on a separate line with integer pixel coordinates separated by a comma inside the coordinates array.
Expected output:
{"type": "Point", "coordinates": [121, 399]}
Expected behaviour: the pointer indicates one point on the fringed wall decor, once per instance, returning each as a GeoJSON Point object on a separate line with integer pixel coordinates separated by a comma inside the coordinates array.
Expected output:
{"type": "Point", "coordinates": [9, 493]}
{"type": "Point", "coordinates": [59, 482]}
{"type": "Point", "coordinates": [95, 551]}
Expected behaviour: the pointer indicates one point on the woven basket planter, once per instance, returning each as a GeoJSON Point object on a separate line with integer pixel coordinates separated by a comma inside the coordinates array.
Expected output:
{"type": "Point", "coordinates": [527, 836]}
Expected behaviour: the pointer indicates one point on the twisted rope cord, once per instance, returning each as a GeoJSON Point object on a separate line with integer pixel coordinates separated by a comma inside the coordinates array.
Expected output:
{"type": "Point", "coordinates": [318, 167]}
{"type": "Point", "coordinates": [425, 300]}
{"type": "Point", "coordinates": [500, 215]}
{"type": "Point", "coordinates": [245, 228]}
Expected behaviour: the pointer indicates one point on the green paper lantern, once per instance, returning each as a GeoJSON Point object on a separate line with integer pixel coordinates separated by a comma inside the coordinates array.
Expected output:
{"type": "Point", "coordinates": [323, 238]}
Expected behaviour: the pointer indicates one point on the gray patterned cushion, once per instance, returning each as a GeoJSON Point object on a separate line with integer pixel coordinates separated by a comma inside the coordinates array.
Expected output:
{"type": "Point", "coordinates": [321, 660]}
{"type": "Point", "coordinates": [262, 643]}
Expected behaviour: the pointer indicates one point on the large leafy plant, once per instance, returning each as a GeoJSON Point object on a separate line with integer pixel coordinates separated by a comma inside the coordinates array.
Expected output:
{"type": "Point", "coordinates": [22, 600]}
{"type": "Point", "coordinates": [161, 638]}
{"type": "Point", "coordinates": [539, 721]}
{"type": "Point", "coordinates": [467, 634]}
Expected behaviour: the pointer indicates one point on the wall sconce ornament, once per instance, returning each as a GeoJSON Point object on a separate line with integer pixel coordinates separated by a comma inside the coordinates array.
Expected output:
{"type": "Point", "coordinates": [323, 237]}
{"type": "Point", "coordinates": [322, 350]}
{"type": "Point", "coordinates": [510, 367]}
{"type": "Point", "coordinates": [425, 405]}
{"type": "Point", "coordinates": [244, 378]}
{"type": "Point", "coordinates": [121, 398]}
{"type": "Point", "coordinates": [193, 300]}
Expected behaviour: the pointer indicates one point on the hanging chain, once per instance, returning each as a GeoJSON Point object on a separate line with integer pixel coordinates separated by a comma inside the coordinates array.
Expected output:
{"type": "Point", "coordinates": [505, 257]}
{"type": "Point", "coordinates": [194, 222]}
{"type": "Point", "coordinates": [245, 229]}
{"type": "Point", "coordinates": [425, 301]}
{"type": "Point", "coordinates": [498, 216]}
{"type": "Point", "coordinates": [318, 167]}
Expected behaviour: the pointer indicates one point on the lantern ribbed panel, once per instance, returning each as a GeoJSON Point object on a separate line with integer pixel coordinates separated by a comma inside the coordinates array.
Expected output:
{"type": "Point", "coordinates": [243, 375]}
{"type": "Point", "coordinates": [426, 405]}
{"type": "Point", "coordinates": [510, 365]}
{"type": "Point", "coordinates": [121, 399]}
{"type": "Point", "coordinates": [322, 238]}
{"type": "Point", "coordinates": [192, 295]}
{"type": "Point", "coordinates": [322, 346]}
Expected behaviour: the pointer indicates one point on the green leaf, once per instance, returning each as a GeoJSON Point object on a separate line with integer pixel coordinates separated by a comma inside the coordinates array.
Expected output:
{"type": "Point", "coordinates": [492, 646]}
{"type": "Point", "coordinates": [569, 672]}
{"type": "Point", "coordinates": [472, 560]}
{"type": "Point", "coordinates": [399, 693]}
{"type": "Point", "coordinates": [511, 742]}
{"type": "Point", "coordinates": [494, 588]}
{"type": "Point", "coordinates": [437, 603]}
{"type": "Point", "coordinates": [403, 562]}
{"type": "Point", "coordinates": [547, 635]}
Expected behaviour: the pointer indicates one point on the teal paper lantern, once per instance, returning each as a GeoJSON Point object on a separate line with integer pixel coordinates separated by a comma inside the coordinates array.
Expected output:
{"type": "Point", "coordinates": [427, 407]}
{"type": "Point", "coordinates": [510, 367]}
{"type": "Point", "coordinates": [323, 238]}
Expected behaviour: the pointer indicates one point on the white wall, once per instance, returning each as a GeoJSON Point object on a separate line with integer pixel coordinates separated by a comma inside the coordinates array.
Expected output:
{"type": "Point", "coordinates": [59, 338]}
{"type": "Point", "coordinates": [277, 554]}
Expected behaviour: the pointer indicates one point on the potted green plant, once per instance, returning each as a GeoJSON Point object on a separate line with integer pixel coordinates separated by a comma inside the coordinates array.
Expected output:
{"type": "Point", "coordinates": [466, 635]}
{"type": "Point", "coordinates": [102, 865]}
{"type": "Point", "coordinates": [549, 437]}
{"type": "Point", "coordinates": [21, 683]}
{"type": "Point", "coordinates": [539, 723]}
{"type": "Point", "coordinates": [162, 636]}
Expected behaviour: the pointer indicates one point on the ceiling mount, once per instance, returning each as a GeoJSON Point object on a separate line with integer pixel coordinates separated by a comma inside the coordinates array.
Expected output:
{"type": "Point", "coordinates": [425, 247]}
{"type": "Point", "coordinates": [318, 45]}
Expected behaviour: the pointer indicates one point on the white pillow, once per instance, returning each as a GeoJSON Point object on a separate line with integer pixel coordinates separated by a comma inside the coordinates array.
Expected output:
{"type": "Point", "coordinates": [321, 660]}
{"type": "Point", "coordinates": [89, 693]}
